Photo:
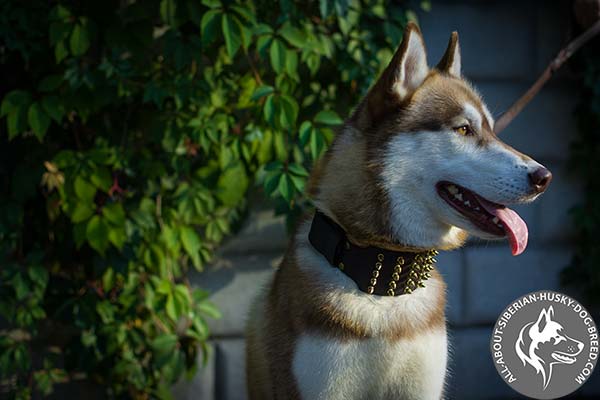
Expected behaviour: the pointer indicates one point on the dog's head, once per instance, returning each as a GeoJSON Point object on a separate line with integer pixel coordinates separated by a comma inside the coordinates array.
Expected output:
{"type": "Point", "coordinates": [438, 169]}
{"type": "Point", "coordinates": [544, 343]}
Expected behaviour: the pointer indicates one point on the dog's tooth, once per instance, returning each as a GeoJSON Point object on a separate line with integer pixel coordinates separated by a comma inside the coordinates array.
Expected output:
{"type": "Point", "coordinates": [452, 189]}
{"type": "Point", "coordinates": [458, 196]}
{"type": "Point", "coordinates": [477, 208]}
{"type": "Point", "coordinates": [495, 220]}
{"type": "Point", "coordinates": [468, 203]}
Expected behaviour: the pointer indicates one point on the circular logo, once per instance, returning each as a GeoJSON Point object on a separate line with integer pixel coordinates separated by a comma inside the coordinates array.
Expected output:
{"type": "Point", "coordinates": [545, 345]}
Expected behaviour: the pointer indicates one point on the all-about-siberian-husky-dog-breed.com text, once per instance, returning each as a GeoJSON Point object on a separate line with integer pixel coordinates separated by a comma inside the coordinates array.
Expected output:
{"type": "Point", "coordinates": [356, 308]}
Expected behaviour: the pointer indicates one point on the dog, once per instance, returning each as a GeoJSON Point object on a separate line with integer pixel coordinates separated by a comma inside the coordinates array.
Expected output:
{"type": "Point", "coordinates": [356, 308]}
{"type": "Point", "coordinates": [543, 344]}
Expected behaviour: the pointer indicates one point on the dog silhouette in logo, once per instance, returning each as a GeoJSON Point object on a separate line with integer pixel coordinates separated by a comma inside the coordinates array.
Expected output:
{"type": "Point", "coordinates": [544, 343]}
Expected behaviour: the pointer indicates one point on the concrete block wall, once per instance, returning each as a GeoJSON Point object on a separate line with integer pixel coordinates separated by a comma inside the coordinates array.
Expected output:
{"type": "Point", "coordinates": [505, 45]}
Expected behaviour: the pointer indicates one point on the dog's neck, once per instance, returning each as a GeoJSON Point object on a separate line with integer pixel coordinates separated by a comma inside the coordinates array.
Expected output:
{"type": "Point", "coordinates": [348, 189]}
{"type": "Point", "coordinates": [391, 272]}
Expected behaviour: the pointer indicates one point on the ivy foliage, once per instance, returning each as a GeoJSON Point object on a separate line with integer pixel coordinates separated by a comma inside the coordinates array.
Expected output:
{"type": "Point", "coordinates": [584, 272]}
{"type": "Point", "coordinates": [131, 133]}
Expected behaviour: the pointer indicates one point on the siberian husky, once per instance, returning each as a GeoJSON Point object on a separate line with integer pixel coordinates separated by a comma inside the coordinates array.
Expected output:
{"type": "Point", "coordinates": [356, 311]}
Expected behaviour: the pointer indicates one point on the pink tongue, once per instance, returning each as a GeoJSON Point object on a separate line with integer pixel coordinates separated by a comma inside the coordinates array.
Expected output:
{"type": "Point", "coordinates": [514, 226]}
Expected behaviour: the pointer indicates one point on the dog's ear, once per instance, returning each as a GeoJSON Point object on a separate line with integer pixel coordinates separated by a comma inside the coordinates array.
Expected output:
{"type": "Point", "coordinates": [408, 68]}
{"type": "Point", "coordinates": [404, 74]}
{"type": "Point", "coordinates": [544, 318]}
{"type": "Point", "coordinates": [451, 61]}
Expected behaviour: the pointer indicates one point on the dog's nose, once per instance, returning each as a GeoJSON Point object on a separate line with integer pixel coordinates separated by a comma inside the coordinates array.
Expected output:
{"type": "Point", "coordinates": [540, 179]}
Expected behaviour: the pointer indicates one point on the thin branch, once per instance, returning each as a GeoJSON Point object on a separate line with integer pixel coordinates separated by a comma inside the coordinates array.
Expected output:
{"type": "Point", "coordinates": [554, 65]}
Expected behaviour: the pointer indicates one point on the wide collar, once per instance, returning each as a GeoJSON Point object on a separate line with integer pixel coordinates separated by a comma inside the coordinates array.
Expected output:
{"type": "Point", "coordinates": [375, 270]}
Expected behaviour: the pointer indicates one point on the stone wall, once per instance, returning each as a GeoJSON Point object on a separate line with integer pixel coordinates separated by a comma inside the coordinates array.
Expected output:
{"type": "Point", "coordinates": [505, 45]}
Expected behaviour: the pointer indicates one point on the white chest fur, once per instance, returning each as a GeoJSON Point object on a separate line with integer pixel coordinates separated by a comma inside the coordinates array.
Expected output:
{"type": "Point", "coordinates": [375, 368]}
{"type": "Point", "coordinates": [329, 369]}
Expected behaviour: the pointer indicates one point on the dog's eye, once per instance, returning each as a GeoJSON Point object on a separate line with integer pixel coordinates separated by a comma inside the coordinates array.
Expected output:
{"type": "Point", "coordinates": [463, 130]}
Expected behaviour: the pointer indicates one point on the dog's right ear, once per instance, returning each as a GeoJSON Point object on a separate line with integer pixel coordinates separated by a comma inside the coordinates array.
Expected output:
{"type": "Point", "coordinates": [404, 74]}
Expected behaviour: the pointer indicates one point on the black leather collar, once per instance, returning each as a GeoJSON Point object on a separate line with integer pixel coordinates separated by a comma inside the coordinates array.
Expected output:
{"type": "Point", "coordinates": [375, 270]}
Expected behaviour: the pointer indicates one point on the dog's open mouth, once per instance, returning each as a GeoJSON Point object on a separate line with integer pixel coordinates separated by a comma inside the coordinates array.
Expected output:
{"type": "Point", "coordinates": [563, 358]}
{"type": "Point", "coordinates": [490, 217]}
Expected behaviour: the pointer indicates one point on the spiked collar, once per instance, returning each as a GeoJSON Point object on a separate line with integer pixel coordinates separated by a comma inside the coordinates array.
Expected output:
{"type": "Point", "coordinates": [374, 270]}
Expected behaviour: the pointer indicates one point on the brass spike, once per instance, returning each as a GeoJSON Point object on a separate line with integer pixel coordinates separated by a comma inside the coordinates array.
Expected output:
{"type": "Point", "coordinates": [378, 266]}
{"type": "Point", "coordinates": [421, 284]}
{"type": "Point", "coordinates": [380, 257]}
{"type": "Point", "coordinates": [391, 292]}
{"type": "Point", "coordinates": [375, 274]}
{"type": "Point", "coordinates": [427, 275]}
{"type": "Point", "coordinates": [407, 290]}
{"type": "Point", "coordinates": [341, 266]}
{"type": "Point", "coordinates": [392, 285]}
{"type": "Point", "coordinates": [373, 281]}
{"type": "Point", "coordinates": [400, 260]}
{"type": "Point", "coordinates": [370, 289]}
{"type": "Point", "coordinates": [398, 269]}
{"type": "Point", "coordinates": [396, 276]}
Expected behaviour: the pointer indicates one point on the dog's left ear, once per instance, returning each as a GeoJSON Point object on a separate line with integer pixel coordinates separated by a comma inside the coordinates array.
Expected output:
{"type": "Point", "coordinates": [450, 62]}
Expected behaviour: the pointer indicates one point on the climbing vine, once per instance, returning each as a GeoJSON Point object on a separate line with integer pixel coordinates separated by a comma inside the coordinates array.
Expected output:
{"type": "Point", "coordinates": [131, 133]}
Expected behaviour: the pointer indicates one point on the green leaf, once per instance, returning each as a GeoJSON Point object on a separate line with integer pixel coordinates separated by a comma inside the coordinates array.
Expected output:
{"type": "Point", "coordinates": [328, 117]}
{"type": "Point", "coordinates": [14, 100]}
{"type": "Point", "coordinates": [212, 3]}
{"type": "Point", "coordinates": [277, 53]}
{"type": "Point", "coordinates": [231, 33]}
{"type": "Point", "coordinates": [208, 308]}
{"type": "Point", "coordinates": [168, 9]}
{"type": "Point", "coordinates": [316, 143]}
{"type": "Point", "coordinates": [97, 234]}
{"type": "Point", "coordinates": [269, 109]}
{"type": "Point", "coordinates": [117, 236]}
{"type": "Point", "coordinates": [101, 178]}
{"type": "Point", "coordinates": [262, 91]}
{"type": "Point", "coordinates": [84, 190]}
{"type": "Point", "coordinates": [38, 120]}
{"type": "Point", "coordinates": [209, 25]}
{"type": "Point", "coordinates": [165, 343]}
{"type": "Point", "coordinates": [244, 12]}
{"type": "Point", "coordinates": [232, 185]}
{"type": "Point", "coordinates": [291, 63]}
{"type": "Point", "coordinates": [80, 38]}
{"type": "Point", "coordinates": [297, 169]}
{"type": "Point", "coordinates": [114, 213]}
{"type": "Point", "coordinates": [272, 182]}
{"type": "Point", "coordinates": [15, 106]}
{"type": "Point", "coordinates": [108, 279]}
{"type": "Point", "coordinates": [326, 7]}
{"type": "Point", "coordinates": [53, 107]}
{"type": "Point", "coordinates": [191, 242]}
{"type": "Point", "coordinates": [298, 182]}
{"type": "Point", "coordinates": [81, 212]}
{"type": "Point", "coordinates": [289, 111]}
{"type": "Point", "coordinates": [293, 35]}
{"type": "Point", "coordinates": [286, 187]}
{"type": "Point", "coordinates": [39, 275]}
{"type": "Point", "coordinates": [304, 132]}
{"type": "Point", "coordinates": [60, 52]}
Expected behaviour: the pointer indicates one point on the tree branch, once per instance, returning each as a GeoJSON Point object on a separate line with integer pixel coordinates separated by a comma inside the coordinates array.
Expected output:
{"type": "Point", "coordinates": [554, 65]}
